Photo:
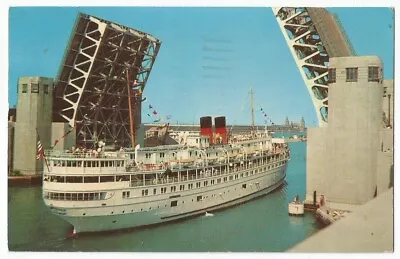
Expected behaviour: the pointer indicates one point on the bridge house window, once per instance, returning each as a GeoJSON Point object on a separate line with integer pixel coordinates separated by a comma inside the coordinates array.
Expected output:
{"type": "Point", "coordinates": [373, 74]}
{"type": "Point", "coordinates": [34, 88]}
{"type": "Point", "coordinates": [24, 88]}
{"type": "Point", "coordinates": [331, 75]}
{"type": "Point", "coordinates": [351, 74]}
{"type": "Point", "coordinates": [46, 89]}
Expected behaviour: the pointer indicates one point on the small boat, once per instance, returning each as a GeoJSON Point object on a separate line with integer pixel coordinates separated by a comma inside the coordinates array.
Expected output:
{"type": "Point", "coordinates": [296, 207]}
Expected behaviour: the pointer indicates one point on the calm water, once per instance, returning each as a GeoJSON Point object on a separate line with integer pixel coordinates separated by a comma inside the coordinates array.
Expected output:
{"type": "Point", "coordinates": [261, 225]}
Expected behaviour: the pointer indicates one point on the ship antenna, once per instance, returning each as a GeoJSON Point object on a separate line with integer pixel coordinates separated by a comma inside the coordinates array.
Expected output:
{"type": "Point", "coordinates": [252, 109]}
{"type": "Point", "coordinates": [131, 118]}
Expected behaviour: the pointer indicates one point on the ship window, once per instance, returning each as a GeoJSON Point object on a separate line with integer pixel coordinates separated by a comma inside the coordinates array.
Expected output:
{"type": "Point", "coordinates": [68, 196]}
{"type": "Point", "coordinates": [104, 179]}
{"type": "Point", "coordinates": [120, 178]}
{"type": "Point", "coordinates": [59, 179]}
{"type": "Point", "coordinates": [145, 192]}
{"type": "Point", "coordinates": [80, 196]}
{"type": "Point", "coordinates": [126, 194]}
{"type": "Point", "coordinates": [61, 196]}
{"type": "Point", "coordinates": [46, 89]}
{"type": "Point", "coordinates": [373, 74]}
{"type": "Point", "coordinates": [163, 189]}
{"type": "Point", "coordinates": [205, 183]}
{"type": "Point", "coordinates": [218, 180]}
{"type": "Point", "coordinates": [24, 88]}
{"type": "Point", "coordinates": [174, 203]}
{"type": "Point", "coordinates": [34, 88]}
{"type": "Point", "coordinates": [173, 188]}
{"type": "Point", "coordinates": [101, 163]}
{"type": "Point", "coordinates": [212, 182]}
{"type": "Point", "coordinates": [244, 186]}
{"type": "Point", "coordinates": [236, 176]}
{"type": "Point", "coordinates": [199, 198]}
{"type": "Point", "coordinates": [190, 186]}
{"type": "Point", "coordinates": [74, 179]}
{"type": "Point", "coordinates": [241, 175]}
{"type": "Point", "coordinates": [182, 187]}
{"type": "Point", "coordinates": [90, 196]}
{"type": "Point", "coordinates": [91, 179]}
{"type": "Point", "coordinates": [198, 185]}
{"type": "Point", "coordinates": [154, 191]}
{"type": "Point", "coordinates": [225, 179]}
{"type": "Point", "coordinates": [74, 196]}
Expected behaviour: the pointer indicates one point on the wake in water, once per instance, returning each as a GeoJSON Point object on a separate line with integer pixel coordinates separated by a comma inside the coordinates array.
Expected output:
{"type": "Point", "coordinates": [208, 214]}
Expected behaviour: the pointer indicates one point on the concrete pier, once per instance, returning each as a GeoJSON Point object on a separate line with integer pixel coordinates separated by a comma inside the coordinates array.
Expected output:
{"type": "Point", "coordinates": [368, 228]}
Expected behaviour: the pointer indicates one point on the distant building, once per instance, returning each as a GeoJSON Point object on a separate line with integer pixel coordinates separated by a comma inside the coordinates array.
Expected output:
{"type": "Point", "coordinates": [346, 161]}
{"type": "Point", "coordinates": [287, 121]}
{"type": "Point", "coordinates": [34, 115]}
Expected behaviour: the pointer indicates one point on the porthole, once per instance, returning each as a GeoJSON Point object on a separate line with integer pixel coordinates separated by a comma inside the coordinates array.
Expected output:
{"type": "Point", "coordinates": [123, 211]}
{"type": "Point", "coordinates": [112, 212]}
{"type": "Point", "coordinates": [84, 214]}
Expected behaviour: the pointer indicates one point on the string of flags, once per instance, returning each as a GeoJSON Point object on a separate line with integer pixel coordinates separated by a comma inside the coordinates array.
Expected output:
{"type": "Point", "coordinates": [66, 134]}
{"type": "Point", "coordinates": [154, 113]}
{"type": "Point", "coordinates": [266, 118]}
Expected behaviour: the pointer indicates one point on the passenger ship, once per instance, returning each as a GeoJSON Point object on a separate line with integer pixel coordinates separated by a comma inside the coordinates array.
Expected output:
{"type": "Point", "coordinates": [148, 185]}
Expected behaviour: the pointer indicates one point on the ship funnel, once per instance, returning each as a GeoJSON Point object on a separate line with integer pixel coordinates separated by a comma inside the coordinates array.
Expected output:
{"type": "Point", "coordinates": [206, 127]}
{"type": "Point", "coordinates": [220, 130]}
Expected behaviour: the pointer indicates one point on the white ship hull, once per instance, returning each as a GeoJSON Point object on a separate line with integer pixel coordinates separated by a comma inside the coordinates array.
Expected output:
{"type": "Point", "coordinates": [234, 194]}
{"type": "Point", "coordinates": [159, 211]}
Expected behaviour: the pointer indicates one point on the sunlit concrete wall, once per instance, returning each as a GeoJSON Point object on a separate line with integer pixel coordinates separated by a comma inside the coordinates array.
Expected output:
{"type": "Point", "coordinates": [352, 140]}
{"type": "Point", "coordinates": [34, 112]}
{"type": "Point", "coordinates": [317, 163]}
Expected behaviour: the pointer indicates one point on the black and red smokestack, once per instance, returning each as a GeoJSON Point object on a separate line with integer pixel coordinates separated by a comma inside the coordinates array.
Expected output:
{"type": "Point", "coordinates": [220, 130]}
{"type": "Point", "coordinates": [206, 127]}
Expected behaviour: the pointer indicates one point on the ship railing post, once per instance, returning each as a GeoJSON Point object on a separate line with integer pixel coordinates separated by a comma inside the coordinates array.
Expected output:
{"type": "Point", "coordinates": [144, 180]}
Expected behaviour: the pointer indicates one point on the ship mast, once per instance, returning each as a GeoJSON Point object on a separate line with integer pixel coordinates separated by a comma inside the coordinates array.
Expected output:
{"type": "Point", "coordinates": [131, 117]}
{"type": "Point", "coordinates": [252, 109]}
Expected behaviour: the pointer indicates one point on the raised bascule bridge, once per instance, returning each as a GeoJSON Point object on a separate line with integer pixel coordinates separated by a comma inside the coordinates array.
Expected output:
{"type": "Point", "coordinates": [314, 35]}
{"type": "Point", "coordinates": [91, 92]}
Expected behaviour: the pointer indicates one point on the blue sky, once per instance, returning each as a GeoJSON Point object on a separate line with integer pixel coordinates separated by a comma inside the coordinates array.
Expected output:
{"type": "Point", "coordinates": [188, 80]}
